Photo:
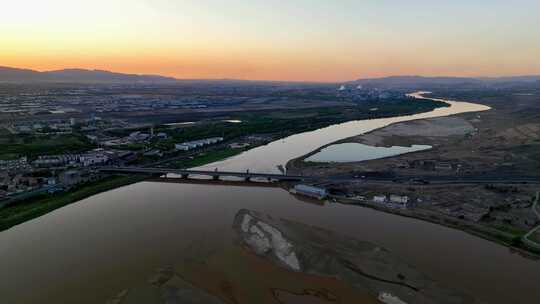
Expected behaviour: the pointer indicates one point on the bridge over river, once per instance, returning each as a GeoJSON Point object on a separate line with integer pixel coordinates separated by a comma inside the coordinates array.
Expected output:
{"type": "Point", "coordinates": [216, 174]}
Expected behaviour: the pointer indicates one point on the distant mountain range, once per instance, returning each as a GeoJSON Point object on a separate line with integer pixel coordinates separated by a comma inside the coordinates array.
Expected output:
{"type": "Point", "coordinates": [8, 74]}
{"type": "Point", "coordinates": [430, 82]}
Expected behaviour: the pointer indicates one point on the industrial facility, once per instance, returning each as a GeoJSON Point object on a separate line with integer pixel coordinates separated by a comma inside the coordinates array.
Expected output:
{"type": "Point", "coordinates": [310, 191]}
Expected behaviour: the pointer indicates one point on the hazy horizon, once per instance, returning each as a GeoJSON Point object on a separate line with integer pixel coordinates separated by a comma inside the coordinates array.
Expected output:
{"type": "Point", "coordinates": [268, 80]}
{"type": "Point", "coordinates": [268, 40]}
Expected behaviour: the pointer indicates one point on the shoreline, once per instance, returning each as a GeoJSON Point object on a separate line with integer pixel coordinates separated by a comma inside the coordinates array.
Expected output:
{"type": "Point", "coordinates": [29, 209]}
{"type": "Point", "coordinates": [495, 236]}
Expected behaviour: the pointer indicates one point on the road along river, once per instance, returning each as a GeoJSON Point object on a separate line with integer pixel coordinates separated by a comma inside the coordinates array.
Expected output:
{"type": "Point", "coordinates": [90, 251]}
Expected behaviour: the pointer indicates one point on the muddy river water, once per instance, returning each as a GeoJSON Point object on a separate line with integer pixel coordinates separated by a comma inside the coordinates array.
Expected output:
{"type": "Point", "coordinates": [89, 251]}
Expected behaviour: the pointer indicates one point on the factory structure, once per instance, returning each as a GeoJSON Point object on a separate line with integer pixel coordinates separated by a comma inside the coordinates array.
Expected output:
{"type": "Point", "coordinates": [190, 145]}
{"type": "Point", "coordinates": [310, 191]}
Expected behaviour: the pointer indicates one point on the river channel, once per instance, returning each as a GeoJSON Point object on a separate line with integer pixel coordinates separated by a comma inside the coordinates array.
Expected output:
{"type": "Point", "coordinates": [89, 251]}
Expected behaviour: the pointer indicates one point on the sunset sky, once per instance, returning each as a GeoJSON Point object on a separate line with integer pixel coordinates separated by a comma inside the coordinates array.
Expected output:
{"type": "Point", "coordinates": [311, 40]}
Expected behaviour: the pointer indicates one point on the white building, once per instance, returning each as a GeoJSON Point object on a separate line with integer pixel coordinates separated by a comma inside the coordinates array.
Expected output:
{"type": "Point", "coordinates": [88, 160]}
{"type": "Point", "coordinates": [197, 143]}
{"type": "Point", "coordinates": [400, 201]}
{"type": "Point", "coordinates": [379, 199]}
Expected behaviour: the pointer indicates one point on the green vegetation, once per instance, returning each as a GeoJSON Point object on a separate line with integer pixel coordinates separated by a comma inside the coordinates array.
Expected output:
{"type": "Point", "coordinates": [26, 210]}
{"type": "Point", "coordinates": [286, 122]}
{"type": "Point", "coordinates": [14, 146]}
{"type": "Point", "coordinates": [512, 230]}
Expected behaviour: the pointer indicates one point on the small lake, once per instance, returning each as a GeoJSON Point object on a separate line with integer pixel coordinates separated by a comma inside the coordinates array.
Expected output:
{"type": "Point", "coordinates": [355, 152]}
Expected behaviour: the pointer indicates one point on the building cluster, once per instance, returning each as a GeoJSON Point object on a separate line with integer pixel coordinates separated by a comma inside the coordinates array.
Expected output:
{"type": "Point", "coordinates": [92, 158]}
{"type": "Point", "coordinates": [434, 165]}
{"type": "Point", "coordinates": [464, 211]}
{"type": "Point", "coordinates": [190, 145]}
{"type": "Point", "coordinates": [359, 93]}
{"type": "Point", "coordinates": [134, 138]}
{"type": "Point", "coordinates": [59, 126]}
{"type": "Point", "coordinates": [100, 100]}
{"type": "Point", "coordinates": [16, 183]}
{"type": "Point", "coordinates": [17, 186]}
{"type": "Point", "coordinates": [19, 164]}
{"type": "Point", "coordinates": [393, 201]}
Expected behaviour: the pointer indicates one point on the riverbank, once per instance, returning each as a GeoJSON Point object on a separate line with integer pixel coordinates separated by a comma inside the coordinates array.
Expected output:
{"type": "Point", "coordinates": [25, 210]}
{"type": "Point", "coordinates": [507, 239]}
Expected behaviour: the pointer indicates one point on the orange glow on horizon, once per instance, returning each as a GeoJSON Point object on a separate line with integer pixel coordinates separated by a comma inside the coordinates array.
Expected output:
{"type": "Point", "coordinates": [264, 40]}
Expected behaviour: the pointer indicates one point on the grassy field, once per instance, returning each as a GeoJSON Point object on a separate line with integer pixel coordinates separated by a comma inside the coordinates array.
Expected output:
{"type": "Point", "coordinates": [23, 211]}
{"type": "Point", "coordinates": [284, 123]}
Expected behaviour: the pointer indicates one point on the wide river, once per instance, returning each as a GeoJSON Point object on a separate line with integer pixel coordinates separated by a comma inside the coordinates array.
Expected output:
{"type": "Point", "coordinates": [89, 251]}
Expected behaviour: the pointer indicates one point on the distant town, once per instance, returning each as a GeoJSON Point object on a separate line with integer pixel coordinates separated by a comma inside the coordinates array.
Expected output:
{"type": "Point", "coordinates": [55, 136]}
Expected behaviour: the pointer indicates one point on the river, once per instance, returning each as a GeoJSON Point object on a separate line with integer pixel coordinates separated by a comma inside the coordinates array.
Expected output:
{"type": "Point", "coordinates": [89, 251]}
{"type": "Point", "coordinates": [267, 158]}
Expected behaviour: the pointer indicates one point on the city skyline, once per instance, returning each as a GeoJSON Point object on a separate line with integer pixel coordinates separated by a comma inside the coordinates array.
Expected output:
{"type": "Point", "coordinates": [268, 40]}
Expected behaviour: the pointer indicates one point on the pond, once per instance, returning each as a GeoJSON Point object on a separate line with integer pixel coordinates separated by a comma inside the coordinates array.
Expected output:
{"type": "Point", "coordinates": [355, 152]}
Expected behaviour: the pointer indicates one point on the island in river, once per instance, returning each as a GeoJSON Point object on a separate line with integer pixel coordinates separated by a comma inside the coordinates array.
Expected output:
{"type": "Point", "coordinates": [301, 264]}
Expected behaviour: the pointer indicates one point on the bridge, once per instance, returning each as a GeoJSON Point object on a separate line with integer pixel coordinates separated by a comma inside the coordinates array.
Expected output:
{"type": "Point", "coordinates": [216, 174]}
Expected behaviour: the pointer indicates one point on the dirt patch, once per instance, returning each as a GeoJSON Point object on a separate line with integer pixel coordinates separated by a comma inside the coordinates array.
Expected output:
{"type": "Point", "coordinates": [436, 127]}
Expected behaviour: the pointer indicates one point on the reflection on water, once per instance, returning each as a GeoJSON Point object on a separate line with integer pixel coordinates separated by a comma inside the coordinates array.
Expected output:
{"type": "Point", "coordinates": [355, 152]}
